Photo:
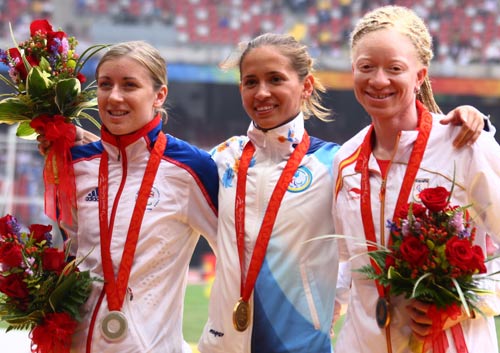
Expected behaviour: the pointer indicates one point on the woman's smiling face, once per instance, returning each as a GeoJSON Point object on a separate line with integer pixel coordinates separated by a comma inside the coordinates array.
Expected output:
{"type": "Point", "coordinates": [270, 88]}
{"type": "Point", "coordinates": [387, 73]}
{"type": "Point", "coordinates": [126, 96]}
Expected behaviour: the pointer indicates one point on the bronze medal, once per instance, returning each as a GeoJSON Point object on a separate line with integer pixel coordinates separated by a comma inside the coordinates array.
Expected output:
{"type": "Point", "coordinates": [114, 326]}
{"type": "Point", "coordinates": [382, 313]}
{"type": "Point", "coordinates": [241, 315]}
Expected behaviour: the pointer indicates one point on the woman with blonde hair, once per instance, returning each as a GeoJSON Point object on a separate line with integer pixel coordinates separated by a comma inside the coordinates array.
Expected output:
{"type": "Point", "coordinates": [143, 198]}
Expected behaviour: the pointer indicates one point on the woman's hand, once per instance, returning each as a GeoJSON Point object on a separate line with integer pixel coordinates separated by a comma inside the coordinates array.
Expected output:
{"type": "Point", "coordinates": [471, 120]}
{"type": "Point", "coordinates": [422, 325]}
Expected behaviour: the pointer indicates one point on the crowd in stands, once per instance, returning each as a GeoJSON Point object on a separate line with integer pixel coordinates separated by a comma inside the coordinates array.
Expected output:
{"type": "Point", "coordinates": [465, 31]}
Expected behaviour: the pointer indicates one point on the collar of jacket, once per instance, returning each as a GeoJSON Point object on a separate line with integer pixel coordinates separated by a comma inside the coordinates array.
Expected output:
{"type": "Point", "coordinates": [284, 137]}
{"type": "Point", "coordinates": [150, 130]}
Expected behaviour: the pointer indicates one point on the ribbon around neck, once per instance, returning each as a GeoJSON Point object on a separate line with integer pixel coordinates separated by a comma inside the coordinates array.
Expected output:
{"type": "Point", "coordinates": [248, 283]}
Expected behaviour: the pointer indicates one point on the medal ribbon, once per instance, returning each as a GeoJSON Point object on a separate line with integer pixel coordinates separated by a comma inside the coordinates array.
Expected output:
{"type": "Point", "coordinates": [116, 288]}
{"type": "Point", "coordinates": [365, 201]}
{"type": "Point", "coordinates": [267, 225]}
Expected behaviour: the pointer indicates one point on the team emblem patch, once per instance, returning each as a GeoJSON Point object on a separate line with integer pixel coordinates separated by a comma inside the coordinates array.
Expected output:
{"type": "Point", "coordinates": [419, 185]}
{"type": "Point", "coordinates": [301, 180]}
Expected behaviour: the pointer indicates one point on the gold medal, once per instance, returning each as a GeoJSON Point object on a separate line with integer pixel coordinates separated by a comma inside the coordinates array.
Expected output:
{"type": "Point", "coordinates": [114, 326]}
{"type": "Point", "coordinates": [382, 312]}
{"type": "Point", "coordinates": [241, 315]}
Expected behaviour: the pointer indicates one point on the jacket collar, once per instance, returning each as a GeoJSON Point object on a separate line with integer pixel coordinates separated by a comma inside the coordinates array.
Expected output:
{"type": "Point", "coordinates": [282, 138]}
{"type": "Point", "coordinates": [150, 130]}
{"type": "Point", "coordinates": [406, 140]}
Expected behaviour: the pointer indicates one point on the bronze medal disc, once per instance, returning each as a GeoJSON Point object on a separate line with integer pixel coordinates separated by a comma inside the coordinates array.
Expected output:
{"type": "Point", "coordinates": [382, 313]}
{"type": "Point", "coordinates": [241, 315]}
{"type": "Point", "coordinates": [114, 326]}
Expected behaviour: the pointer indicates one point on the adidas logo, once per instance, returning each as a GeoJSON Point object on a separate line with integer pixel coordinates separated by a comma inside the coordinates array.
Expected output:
{"type": "Point", "coordinates": [92, 196]}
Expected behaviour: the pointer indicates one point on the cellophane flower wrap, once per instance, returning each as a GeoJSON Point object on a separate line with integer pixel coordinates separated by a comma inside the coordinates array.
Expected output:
{"type": "Point", "coordinates": [45, 79]}
{"type": "Point", "coordinates": [41, 287]}
{"type": "Point", "coordinates": [432, 257]}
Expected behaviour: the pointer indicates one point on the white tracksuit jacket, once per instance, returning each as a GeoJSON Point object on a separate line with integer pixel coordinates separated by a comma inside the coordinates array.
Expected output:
{"type": "Point", "coordinates": [477, 180]}
{"type": "Point", "coordinates": [292, 303]}
{"type": "Point", "coordinates": [182, 204]}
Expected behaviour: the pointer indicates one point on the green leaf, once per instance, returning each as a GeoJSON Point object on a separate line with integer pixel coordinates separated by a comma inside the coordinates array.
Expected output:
{"type": "Point", "coordinates": [71, 293]}
{"type": "Point", "coordinates": [91, 119]}
{"type": "Point", "coordinates": [44, 64]}
{"type": "Point", "coordinates": [87, 54]}
{"type": "Point", "coordinates": [38, 84]}
{"type": "Point", "coordinates": [461, 295]}
{"type": "Point", "coordinates": [415, 287]}
{"type": "Point", "coordinates": [13, 110]}
{"type": "Point", "coordinates": [25, 131]}
{"type": "Point", "coordinates": [67, 92]}
{"type": "Point", "coordinates": [379, 256]}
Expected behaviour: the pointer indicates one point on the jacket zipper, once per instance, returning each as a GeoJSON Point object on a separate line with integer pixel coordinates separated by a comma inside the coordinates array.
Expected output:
{"type": "Point", "coordinates": [382, 192]}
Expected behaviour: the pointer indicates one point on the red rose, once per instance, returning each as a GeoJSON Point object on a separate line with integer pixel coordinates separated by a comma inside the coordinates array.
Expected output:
{"type": "Point", "coordinates": [10, 254]}
{"type": "Point", "coordinates": [81, 77]}
{"type": "Point", "coordinates": [40, 232]}
{"type": "Point", "coordinates": [414, 251]}
{"type": "Point", "coordinates": [13, 286]}
{"type": "Point", "coordinates": [8, 225]}
{"type": "Point", "coordinates": [389, 261]}
{"type": "Point", "coordinates": [435, 199]}
{"type": "Point", "coordinates": [53, 260]}
{"type": "Point", "coordinates": [417, 209]}
{"type": "Point", "coordinates": [460, 254]}
{"type": "Point", "coordinates": [19, 63]}
{"type": "Point", "coordinates": [478, 259]}
{"type": "Point", "coordinates": [56, 42]}
{"type": "Point", "coordinates": [42, 26]}
{"type": "Point", "coordinates": [403, 212]}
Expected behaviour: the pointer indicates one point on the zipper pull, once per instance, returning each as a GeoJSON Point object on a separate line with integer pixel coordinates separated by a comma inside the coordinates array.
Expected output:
{"type": "Point", "coordinates": [381, 194]}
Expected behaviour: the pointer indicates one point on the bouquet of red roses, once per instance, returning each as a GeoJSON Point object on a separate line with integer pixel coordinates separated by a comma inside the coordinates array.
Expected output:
{"type": "Point", "coordinates": [41, 288]}
{"type": "Point", "coordinates": [432, 257]}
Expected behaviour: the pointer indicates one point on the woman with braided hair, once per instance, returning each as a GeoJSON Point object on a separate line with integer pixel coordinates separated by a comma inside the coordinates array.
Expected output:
{"type": "Point", "coordinates": [403, 150]}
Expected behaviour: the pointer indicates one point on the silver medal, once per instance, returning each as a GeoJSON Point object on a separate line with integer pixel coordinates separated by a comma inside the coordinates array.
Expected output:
{"type": "Point", "coordinates": [114, 326]}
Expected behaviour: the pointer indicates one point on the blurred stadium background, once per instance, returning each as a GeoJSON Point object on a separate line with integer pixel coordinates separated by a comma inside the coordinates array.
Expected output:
{"type": "Point", "coordinates": [204, 104]}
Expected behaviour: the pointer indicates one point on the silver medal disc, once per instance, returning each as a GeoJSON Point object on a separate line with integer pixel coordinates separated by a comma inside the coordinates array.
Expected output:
{"type": "Point", "coordinates": [114, 326]}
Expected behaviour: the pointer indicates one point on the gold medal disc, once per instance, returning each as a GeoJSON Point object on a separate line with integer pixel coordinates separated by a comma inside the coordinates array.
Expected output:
{"type": "Point", "coordinates": [382, 313]}
{"type": "Point", "coordinates": [241, 315]}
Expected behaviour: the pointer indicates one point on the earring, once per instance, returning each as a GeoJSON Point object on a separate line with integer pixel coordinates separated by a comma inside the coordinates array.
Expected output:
{"type": "Point", "coordinates": [416, 90]}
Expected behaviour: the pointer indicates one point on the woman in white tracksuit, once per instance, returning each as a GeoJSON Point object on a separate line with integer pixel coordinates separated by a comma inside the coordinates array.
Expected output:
{"type": "Point", "coordinates": [391, 52]}
{"type": "Point", "coordinates": [291, 302]}
{"type": "Point", "coordinates": [136, 168]}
